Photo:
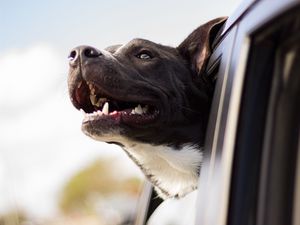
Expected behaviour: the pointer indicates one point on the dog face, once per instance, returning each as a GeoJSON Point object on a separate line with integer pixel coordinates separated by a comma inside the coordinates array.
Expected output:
{"type": "Point", "coordinates": [143, 93]}
{"type": "Point", "coordinates": [148, 88]}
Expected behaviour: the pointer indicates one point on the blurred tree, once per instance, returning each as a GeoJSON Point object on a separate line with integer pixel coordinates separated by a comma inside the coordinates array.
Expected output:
{"type": "Point", "coordinates": [13, 218]}
{"type": "Point", "coordinates": [98, 179]}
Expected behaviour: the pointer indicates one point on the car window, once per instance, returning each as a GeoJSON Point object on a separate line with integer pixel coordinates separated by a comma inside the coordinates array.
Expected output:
{"type": "Point", "coordinates": [280, 148]}
{"type": "Point", "coordinates": [213, 189]}
{"type": "Point", "coordinates": [268, 124]}
{"type": "Point", "coordinates": [230, 180]}
{"type": "Point", "coordinates": [175, 211]}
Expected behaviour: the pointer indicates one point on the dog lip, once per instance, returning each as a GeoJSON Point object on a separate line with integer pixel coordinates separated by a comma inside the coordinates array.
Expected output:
{"type": "Point", "coordinates": [138, 120]}
{"type": "Point", "coordinates": [133, 111]}
{"type": "Point", "coordinates": [80, 95]}
{"type": "Point", "coordinates": [117, 117]}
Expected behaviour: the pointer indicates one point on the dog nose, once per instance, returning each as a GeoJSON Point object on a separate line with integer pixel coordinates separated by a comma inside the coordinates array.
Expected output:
{"type": "Point", "coordinates": [83, 53]}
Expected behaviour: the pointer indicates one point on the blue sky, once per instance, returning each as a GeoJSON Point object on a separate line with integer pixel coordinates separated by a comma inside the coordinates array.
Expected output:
{"type": "Point", "coordinates": [70, 22]}
{"type": "Point", "coordinates": [41, 144]}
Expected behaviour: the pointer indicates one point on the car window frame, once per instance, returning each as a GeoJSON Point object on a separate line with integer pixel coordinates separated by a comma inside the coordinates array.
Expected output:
{"type": "Point", "coordinates": [209, 184]}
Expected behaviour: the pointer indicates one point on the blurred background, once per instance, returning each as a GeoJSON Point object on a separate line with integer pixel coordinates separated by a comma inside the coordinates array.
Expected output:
{"type": "Point", "coordinates": [50, 173]}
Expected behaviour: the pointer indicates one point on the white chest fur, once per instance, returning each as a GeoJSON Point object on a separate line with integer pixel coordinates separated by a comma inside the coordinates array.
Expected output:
{"type": "Point", "coordinates": [173, 171]}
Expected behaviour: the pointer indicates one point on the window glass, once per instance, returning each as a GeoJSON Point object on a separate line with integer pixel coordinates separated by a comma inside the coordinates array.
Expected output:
{"type": "Point", "coordinates": [175, 211]}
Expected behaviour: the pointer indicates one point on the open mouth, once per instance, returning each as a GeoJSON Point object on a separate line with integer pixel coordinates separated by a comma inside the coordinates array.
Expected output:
{"type": "Point", "coordinates": [97, 104]}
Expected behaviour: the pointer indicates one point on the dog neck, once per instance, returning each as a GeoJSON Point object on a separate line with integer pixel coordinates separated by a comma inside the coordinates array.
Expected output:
{"type": "Point", "coordinates": [174, 172]}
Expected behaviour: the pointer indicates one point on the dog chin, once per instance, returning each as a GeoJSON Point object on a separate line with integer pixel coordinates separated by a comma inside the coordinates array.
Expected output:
{"type": "Point", "coordinates": [113, 128]}
{"type": "Point", "coordinates": [104, 133]}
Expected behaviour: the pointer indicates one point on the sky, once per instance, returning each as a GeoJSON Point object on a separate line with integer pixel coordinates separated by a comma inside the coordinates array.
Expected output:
{"type": "Point", "coordinates": [41, 144]}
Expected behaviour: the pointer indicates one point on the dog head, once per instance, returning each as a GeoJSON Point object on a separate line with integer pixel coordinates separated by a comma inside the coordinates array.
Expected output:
{"type": "Point", "coordinates": [143, 91]}
{"type": "Point", "coordinates": [150, 99]}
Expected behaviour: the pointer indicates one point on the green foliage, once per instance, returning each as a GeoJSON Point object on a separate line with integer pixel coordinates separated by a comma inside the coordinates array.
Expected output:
{"type": "Point", "coordinates": [98, 179]}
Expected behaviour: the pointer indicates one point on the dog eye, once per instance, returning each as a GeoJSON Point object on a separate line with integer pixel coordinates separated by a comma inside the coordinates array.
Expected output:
{"type": "Point", "coordinates": [145, 55]}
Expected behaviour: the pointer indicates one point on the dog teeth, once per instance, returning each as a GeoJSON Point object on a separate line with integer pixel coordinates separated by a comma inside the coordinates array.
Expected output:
{"type": "Point", "coordinates": [140, 110]}
{"type": "Point", "coordinates": [101, 101]}
{"type": "Point", "coordinates": [97, 102]}
{"type": "Point", "coordinates": [83, 112]}
{"type": "Point", "coordinates": [105, 109]}
{"type": "Point", "coordinates": [98, 113]}
{"type": "Point", "coordinates": [145, 109]}
{"type": "Point", "coordinates": [93, 99]}
{"type": "Point", "coordinates": [91, 87]}
{"type": "Point", "coordinates": [79, 85]}
{"type": "Point", "coordinates": [92, 116]}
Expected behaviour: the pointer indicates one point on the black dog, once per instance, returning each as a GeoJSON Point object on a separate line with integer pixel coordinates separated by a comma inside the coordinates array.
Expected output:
{"type": "Point", "coordinates": [151, 100]}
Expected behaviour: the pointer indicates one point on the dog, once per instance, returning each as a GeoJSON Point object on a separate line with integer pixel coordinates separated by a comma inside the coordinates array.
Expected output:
{"type": "Point", "coordinates": [150, 99]}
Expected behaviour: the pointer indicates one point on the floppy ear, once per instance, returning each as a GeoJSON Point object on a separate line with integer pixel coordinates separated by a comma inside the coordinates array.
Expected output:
{"type": "Point", "coordinates": [196, 48]}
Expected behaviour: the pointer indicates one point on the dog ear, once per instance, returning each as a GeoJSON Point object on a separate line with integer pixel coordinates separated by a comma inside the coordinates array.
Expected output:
{"type": "Point", "coordinates": [196, 48]}
{"type": "Point", "coordinates": [112, 48]}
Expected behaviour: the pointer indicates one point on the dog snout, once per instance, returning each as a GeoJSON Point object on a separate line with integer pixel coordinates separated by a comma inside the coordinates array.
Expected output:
{"type": "Point", "coordinates": [83, 53]}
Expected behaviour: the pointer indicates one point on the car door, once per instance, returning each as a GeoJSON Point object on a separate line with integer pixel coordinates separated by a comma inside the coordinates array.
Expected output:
{"type": "Point", "coordinates": [249, 175]}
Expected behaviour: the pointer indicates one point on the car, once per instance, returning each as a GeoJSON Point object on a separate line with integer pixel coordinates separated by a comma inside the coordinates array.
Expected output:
{"type": "Point", "coordinates": [251, 168]}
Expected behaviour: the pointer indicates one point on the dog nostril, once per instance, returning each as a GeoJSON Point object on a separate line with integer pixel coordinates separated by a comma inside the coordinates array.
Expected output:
{"type": "Point", "coordinates": [82, 53]}
{"type": "Point", "coordinates": [73, 55]}
{"type": "Point", "coordinates": [91, 53]}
